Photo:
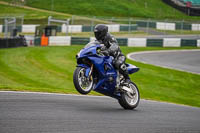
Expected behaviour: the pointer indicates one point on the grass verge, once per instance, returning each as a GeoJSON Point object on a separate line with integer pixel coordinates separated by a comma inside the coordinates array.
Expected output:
{"type": "Point", "coordinates": [155, 9]}
{"type": "Point", "coordinates": [38, 15]}
{"type": "Point", "coordinates": [50, 69]}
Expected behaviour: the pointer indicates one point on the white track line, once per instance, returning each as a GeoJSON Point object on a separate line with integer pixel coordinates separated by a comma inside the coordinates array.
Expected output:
{"type": "Point", "coordinates": [161, 51]}
{"type": "Point", "coordinates": [92, 96]}
{"type": "Point", "coordinates": [46, 93]}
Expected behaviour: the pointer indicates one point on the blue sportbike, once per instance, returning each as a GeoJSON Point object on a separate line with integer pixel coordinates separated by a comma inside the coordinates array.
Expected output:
{"type": "Point", "coordinates": [95, 71]}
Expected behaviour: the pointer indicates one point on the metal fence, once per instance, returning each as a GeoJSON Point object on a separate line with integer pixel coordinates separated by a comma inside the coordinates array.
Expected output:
{"type": "Point", "coordinates": [124, 27]}
{"type": "Point", "coordinates": [147, 26]}
{"type": "Point", "coordinates": [10, 24]}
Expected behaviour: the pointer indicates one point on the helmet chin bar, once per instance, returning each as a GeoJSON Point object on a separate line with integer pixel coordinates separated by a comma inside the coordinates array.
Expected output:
{"type": "Point", "coordinates": [100, 31]}
{"type": "Point", "coordinates": [99, 36]}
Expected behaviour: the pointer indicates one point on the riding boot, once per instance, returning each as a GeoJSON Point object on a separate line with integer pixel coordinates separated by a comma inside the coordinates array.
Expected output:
{"type": "Point", "coordinates": [124, 72]}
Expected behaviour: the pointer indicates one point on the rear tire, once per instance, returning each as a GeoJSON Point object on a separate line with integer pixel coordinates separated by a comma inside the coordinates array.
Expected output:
{"type": "Point", "coordinates": [78, 78]}
{"type": "Point", "coordinates": [130, 104]}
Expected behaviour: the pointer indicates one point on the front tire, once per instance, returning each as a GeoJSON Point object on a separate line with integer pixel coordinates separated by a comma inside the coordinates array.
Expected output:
{"type": "Point", "coordinates": [130, 101]}
{"type": "Point", "coordinates": [82, 84]}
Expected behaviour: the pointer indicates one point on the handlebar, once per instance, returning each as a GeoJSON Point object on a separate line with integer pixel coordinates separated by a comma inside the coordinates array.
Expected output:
{"type": "Point", "coordinates": [102, 52]}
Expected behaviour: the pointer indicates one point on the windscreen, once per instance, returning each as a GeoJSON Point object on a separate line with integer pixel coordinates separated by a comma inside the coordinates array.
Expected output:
{"type": "Point", "coordinates": [91, 44]}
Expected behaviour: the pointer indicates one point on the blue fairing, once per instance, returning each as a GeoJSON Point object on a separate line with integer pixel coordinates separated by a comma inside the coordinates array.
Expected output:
{"type": "Point", "coordinates": [132, 68]}
{"type": "Point", "coordinates": [87, 51]}
{"type": "Point", "coordinates": [103, 65]}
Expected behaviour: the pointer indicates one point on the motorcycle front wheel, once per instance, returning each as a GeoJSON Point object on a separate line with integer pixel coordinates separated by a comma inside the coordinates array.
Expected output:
{"type": "Point", "coordinates": [130, 100]}
{"type": "Point", "coordinates": [82, 84]}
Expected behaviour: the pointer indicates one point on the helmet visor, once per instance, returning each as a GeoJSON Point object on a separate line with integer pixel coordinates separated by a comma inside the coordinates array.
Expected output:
{"type": "Point", "coordinates": [98, 35]}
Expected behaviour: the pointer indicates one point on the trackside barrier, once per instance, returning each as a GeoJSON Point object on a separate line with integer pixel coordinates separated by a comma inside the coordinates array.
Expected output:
{"type": "Point", "coordinates": [30, 40]}
{"type": "Point", "coordinates": [74, 28]}
{"type": "Point", "coordinates": [59, 41]}
{"type": "Point", "coordinates": [195, 27]}
{"type": "Point", "coordinates": [137, 42]}
{"type": "Point", "coordinates": [79, 40]}
{"type": "Point", "coordinates": [198, 43]}
{"type": "Point", "coordinates": [172, 42]}
{"type": "Point", "coordinates": [145, 24]}
{"type": "Point", "coordinates": [154, 43]}
{"type": "Point", "coordinates": [183, 26]}
{"type": "Point", "coordinates": [165, 26]}
{"type": "Point", "coordinates": [189, 42]}
{"type": "Point", "coordinates": [130, 42]}
{"type": "Point", "coordinates": [71, 28]}
{"type": "Point", "coordinates": [1, 28]}
{"type": "Point", "coordinates": [169, 25]}
{"type": "Point", "coordinates": [37, 41]}
{"type": "Point", "coordinates": [87, 28]}
{"type": "Point", "coordinates": [12, 42]}
{"type": "Point", "coordinates": [122, 41]}
{"type": "Point", "coordinates": [113, 28]}
{"type": "Point", "coordinates": [132, 27]}
{"type": "Point", "coordinates": [29, 28]}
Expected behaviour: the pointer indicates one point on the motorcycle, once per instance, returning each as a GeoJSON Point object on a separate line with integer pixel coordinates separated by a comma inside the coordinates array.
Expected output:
{"type": "Point", "coordinates": [95, 71]}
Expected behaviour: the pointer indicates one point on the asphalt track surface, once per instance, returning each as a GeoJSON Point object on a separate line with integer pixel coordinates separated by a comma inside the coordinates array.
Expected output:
{"type": "Point", "coordinates": [184, 60]}
{"type": "Point", "coordinates": [52, 113]}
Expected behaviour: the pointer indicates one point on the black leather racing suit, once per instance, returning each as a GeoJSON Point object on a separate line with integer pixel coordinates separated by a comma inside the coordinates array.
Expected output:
{"type": "Point", "coordinates": [112, 48]}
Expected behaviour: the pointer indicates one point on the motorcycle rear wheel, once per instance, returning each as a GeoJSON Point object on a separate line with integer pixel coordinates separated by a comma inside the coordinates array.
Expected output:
{"type": "Point", "coordinates": [130, 101]}
{"type": "Point", "coordinates": [81, 83]}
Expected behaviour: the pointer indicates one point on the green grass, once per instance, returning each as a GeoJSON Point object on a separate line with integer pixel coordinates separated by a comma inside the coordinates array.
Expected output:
{"type": "Point", "coordinates": [50, 69]}
{"type": "Point", "coordinates": [155, 9]}
{"type": "Point", "coordinates": [30, 16]}
{"type": "Point", "coordinates": [38, 16]}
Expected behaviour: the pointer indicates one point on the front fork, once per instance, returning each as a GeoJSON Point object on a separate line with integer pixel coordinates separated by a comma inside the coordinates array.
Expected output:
{"type": "Point", "coordinates": [88, 70]}
{"type": "Point", "coordinates": [90, 73]}
{"type": "Point", "coordinates": [118, 80]}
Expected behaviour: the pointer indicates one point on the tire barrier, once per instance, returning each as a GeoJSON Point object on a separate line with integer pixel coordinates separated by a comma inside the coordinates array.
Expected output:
{"type": "Point", "coordinates": [12, 42]}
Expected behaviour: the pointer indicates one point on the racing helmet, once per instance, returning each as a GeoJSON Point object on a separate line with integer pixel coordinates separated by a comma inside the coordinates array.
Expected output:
{"type": "Point", "coordinates": [100, 31]}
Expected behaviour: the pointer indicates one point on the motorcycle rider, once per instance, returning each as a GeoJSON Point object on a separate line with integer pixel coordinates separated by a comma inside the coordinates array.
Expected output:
{"type": "Point", "coordinates": [111, 48]}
